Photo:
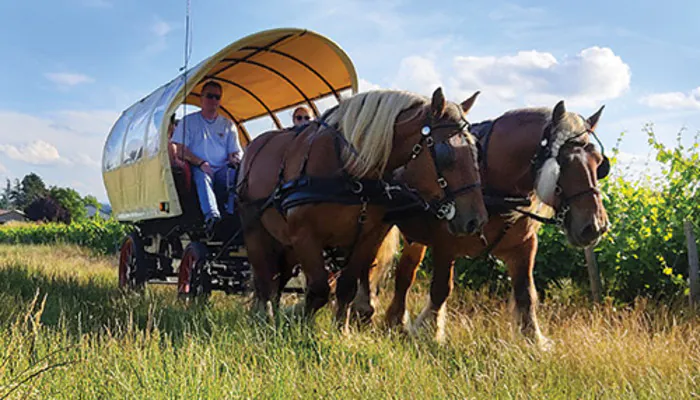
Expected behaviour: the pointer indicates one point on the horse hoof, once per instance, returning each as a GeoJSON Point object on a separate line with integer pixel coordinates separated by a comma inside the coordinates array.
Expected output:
{"type": "Point", "coordinates": [545, 344]}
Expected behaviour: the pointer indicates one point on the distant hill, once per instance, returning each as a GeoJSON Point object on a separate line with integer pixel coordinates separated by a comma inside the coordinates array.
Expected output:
{"type": "Point", "coordinates": [106, 208]}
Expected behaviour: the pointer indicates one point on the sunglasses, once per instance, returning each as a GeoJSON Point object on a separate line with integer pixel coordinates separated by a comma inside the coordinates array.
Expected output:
{"type": "Point", "coordinates": [213, 96]}
{"type": "Point", "coordinates": [302, 117]}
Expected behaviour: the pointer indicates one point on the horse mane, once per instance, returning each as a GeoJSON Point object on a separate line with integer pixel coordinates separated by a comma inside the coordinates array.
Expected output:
{"type": "Point", "coordinates": [367, 120]}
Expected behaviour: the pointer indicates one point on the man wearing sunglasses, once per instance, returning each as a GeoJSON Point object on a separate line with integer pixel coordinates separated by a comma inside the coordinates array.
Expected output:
{"type": "Point", "coordinates": [301, 116]}
{"type": "Point", "coordinates": [208, 142]}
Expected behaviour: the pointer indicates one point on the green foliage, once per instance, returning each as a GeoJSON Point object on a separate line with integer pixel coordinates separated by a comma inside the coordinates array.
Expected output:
{"type": "Point", "coordinates": [102, 236]}
{"type": "Point", "coordinates": [644, 254]}
{"type": "Point", "coordinates": [33, 187]}
{"type": "Point", "coordinates": [6, 196]}
{"type": "Point", "coordinates": [91, 200]}
{"type": "Point", "coordinates": [71, 201]}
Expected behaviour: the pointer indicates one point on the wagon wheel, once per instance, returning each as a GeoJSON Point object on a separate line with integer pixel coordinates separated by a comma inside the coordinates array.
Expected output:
{"type": "Point", "coordinates": [193, 278]}
{"type": "Point", "coordinates": [132, 266]}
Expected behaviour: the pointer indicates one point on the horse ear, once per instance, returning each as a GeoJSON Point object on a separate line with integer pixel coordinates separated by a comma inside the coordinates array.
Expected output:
{"type": "Point", "coordinates": [438, 104]}
{"type": "Point", "coordinates": [593, 119]}
{"type": "Point", "coordinates": [559, 112]}
{"type": "Point", "coordinates": [468, 103]}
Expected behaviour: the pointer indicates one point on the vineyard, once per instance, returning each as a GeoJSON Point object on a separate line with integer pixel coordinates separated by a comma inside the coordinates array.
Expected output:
{"type": "Point", "coordinates": [644, 254]}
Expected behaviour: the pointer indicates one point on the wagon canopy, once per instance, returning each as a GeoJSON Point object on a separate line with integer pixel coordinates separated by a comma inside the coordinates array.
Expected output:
{"type": "Point", "coordinates": [261, 74]}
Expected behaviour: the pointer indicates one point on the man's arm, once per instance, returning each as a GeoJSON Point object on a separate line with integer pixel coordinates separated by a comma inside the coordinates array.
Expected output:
{"type": "Point", "coordinates": [187, 155]}
{"type": "Point", "coordinates": [234, 149]}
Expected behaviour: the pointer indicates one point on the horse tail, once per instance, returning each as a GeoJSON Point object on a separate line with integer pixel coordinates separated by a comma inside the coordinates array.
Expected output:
{"type": "Point", "coordinates": [385, 257]}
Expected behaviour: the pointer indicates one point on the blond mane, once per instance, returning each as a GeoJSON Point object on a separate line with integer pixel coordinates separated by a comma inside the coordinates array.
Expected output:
{"type": "Point", "coordinates": [367, 120]}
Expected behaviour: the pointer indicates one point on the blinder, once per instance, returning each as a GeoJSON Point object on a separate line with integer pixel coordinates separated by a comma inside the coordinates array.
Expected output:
{"type": "Point", "coordinates": [444, 155]}
{"type": "Point", "coordinates": [603, 169]}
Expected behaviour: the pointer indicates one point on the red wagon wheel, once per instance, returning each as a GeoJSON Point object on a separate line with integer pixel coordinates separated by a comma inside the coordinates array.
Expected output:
{"type": "Point", "coordinates": [132, 269]}
{"type": "Point", "coordinates": [193, 278]}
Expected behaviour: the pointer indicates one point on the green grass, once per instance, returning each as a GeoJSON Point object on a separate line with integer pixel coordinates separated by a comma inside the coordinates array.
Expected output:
{"type": "Point", "coordinates": [68, 332]}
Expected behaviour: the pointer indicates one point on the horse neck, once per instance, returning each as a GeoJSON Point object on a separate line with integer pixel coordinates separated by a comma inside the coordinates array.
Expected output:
{"type": "Point", "coordinates": [406, 135]}
{"type": "Point", "coordinates": [514, 143]}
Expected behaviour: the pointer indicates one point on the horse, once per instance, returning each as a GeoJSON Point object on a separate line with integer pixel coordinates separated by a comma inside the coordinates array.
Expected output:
{"type": "Point", "coordinates": [539, 156]}
{"type": "Point", "coordinates": [330, 184]}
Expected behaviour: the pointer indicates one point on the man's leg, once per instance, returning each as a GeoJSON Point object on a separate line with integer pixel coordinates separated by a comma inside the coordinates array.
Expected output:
{"type": "Point", "coordinates": [205, 191]}
{"type": "Point", "coordinates": [225, 187]}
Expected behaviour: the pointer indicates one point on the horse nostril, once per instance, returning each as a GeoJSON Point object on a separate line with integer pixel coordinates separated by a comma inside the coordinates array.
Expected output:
{"type": "Point", "coordinates": [471, 226]}
{"type": "Point", "coordinates": [589, 232]}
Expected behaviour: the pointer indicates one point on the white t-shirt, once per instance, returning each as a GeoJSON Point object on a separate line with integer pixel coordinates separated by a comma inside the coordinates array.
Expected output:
{"type": "Point", "coordinates": [209, 140]}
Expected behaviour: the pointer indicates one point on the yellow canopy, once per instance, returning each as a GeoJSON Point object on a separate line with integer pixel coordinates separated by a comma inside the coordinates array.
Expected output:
{"type": "Point", "coordinates": [261, 74]}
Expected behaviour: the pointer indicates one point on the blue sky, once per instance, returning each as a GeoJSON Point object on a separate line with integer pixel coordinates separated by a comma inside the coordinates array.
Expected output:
{"type": "Point", "coordinates": [71, 66]}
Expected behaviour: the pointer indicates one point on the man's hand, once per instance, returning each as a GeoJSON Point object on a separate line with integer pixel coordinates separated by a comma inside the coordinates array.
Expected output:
{"type": "Point", "coordinates": [207, 169]}
{"type": "Point", "coordinates": [234, 160]}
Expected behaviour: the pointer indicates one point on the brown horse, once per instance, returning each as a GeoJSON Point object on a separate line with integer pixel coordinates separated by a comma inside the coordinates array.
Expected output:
{"type": "Point", "coordinates": [330, 184]}
{"type": "Point", "coordinates": [537, 154]}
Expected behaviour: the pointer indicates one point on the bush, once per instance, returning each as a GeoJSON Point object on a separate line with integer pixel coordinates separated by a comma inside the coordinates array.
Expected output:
{"type": "Point", "coordinates": [102, 236]}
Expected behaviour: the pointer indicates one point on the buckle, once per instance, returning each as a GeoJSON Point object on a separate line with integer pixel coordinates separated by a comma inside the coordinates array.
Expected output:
{"type": "Point", "coordinates": [416, 150]}
{"type": "Point", "coordinates": [357, 189]}
{"type": "Point", "coordinates": [446, 211]}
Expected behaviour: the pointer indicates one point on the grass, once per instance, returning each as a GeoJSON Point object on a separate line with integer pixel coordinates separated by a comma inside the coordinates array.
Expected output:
{"type": "Point", "coordinates": [68, 332]}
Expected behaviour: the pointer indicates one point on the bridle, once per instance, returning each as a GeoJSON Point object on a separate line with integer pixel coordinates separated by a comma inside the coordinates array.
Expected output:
{"type": "Point", "coordinates": [564, 205]}
{"type": "Point", "coordinates": [442, 154]}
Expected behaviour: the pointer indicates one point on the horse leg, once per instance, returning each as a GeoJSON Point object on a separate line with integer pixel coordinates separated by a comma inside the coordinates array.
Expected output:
{"type": "Point", "coordinates": [521, 261]}
{"type": "Point", "coordinates": [440, 288]}
{"type": "Point", "coordinates": [263, 255]}
{"type": "Point", "coordinates": [411, 258]}
{"type": "Point", "coordinates": [358, 268]}
{"type": "Point", "coordinates": [364, 304]}
{"type": "Point", "coordinates": [310, 252]}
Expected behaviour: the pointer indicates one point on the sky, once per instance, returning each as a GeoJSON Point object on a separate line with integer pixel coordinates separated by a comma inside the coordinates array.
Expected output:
{"type": "Point", "coordinates": [70, 67]}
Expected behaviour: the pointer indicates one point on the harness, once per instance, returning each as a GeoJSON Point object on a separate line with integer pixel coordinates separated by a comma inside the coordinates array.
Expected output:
{"type": "Point", "coordinates": [501, 203]}
{"type": "Point", "coordinates": [386, 191]}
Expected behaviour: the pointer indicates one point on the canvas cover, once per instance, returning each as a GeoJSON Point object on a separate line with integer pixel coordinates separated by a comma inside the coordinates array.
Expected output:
{"type": "Point", "coordinates": [261, 74]}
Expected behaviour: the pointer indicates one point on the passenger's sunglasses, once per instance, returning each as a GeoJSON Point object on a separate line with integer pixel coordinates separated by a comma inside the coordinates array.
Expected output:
{"type": "Point", "coordinates": [213, 96]}
{"type": "Point", "coordinates": [302, 117]}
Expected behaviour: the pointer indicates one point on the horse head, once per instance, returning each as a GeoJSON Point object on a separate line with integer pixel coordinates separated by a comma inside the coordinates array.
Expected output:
{"type": "Point", "coordinates": [569, 175]}
{"type": "Point", "coordinates": [442, 163]}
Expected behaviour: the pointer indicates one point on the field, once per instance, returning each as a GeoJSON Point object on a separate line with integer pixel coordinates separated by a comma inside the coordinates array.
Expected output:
{"type": "Point", "coordinates": [68, 332]}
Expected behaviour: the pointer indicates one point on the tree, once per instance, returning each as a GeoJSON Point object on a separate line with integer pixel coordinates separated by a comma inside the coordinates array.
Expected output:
{"type": "Point", "coordinates": [47, 209]}
{"type": "Point", "coordinates": [5, 198]}
{"type": "Point", "coordinates": [91, 200]}
{"type": "Point", "coordinates": [17, 196]}
{"type": "Point", "coordinates": [71, 201]}
{"type": "Point", "coordinates": [33, 187]}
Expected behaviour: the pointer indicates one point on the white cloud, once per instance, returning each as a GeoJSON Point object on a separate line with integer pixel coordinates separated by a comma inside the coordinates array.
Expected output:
{"type": "Point", "coordinates": [63, 146]}
{"type": "Point", "coordinates": [538, 78]}
{"type": "Point", "coordinates": [68, 79]}
{"type": "Point", "coordinates": [419, 73]}
{"type": "Point", "coordinates": [97, 122]}
{"type": "Point", "coordinates": [161, 28]}
{"type": "Point", "coordinates": [36, 152]}
{"type": "Point", "coordinates": [3, 169]}
{"type": "Point", "coordinates": [673, 100]}
{"type": "Point", "coordinates": [365, 85]}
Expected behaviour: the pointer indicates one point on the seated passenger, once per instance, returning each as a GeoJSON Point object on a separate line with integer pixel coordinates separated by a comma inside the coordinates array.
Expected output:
{"type": "Point", "coordinates": [301, 116]}
{"type": "Point", "coordinates": [175, 159]}
{"type": "Point", "coordinates": [211, 146]}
